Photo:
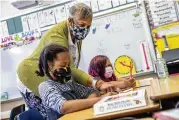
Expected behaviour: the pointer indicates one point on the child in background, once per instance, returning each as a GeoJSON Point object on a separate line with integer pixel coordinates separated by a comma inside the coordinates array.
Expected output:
{"type": "Point", "coordinates": [101, 67]}
{"type": "Point", "coordinates": [60, 94]}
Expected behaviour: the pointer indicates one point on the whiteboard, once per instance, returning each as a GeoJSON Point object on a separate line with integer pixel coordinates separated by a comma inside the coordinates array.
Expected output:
{"type": "Point", "coordinates": [10, 60]}
{"type": "Point", "coordinates": [116, 34]}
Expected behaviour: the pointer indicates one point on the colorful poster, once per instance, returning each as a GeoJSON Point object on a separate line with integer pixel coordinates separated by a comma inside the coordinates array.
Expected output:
{"type": "Point", "coordinates": [19, 39]}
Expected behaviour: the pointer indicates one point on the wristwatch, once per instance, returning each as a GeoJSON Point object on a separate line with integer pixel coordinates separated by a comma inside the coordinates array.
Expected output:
{"type": "Point", "coordinates": [95, 79]}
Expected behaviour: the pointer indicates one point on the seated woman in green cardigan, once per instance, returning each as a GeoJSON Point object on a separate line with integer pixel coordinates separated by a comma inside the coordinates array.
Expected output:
{"type": "Point", "coordinates": [69, 34]}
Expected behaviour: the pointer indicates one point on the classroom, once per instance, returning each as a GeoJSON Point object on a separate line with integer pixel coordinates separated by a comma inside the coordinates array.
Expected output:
{"type": "Point", "coordinates": [89, 59]}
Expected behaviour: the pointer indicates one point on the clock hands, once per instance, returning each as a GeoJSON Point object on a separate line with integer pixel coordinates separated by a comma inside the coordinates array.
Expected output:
{"type": "Point", "coordinates": [129, 66]}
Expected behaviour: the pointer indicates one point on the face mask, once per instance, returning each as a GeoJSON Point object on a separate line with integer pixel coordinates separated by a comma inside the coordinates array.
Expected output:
{"type": "Point", "coordinates": [79, 32]}
{"type": "Point", "coordinates": [62, 75]}
{"type": "Point", "coordinates": [108, 72]}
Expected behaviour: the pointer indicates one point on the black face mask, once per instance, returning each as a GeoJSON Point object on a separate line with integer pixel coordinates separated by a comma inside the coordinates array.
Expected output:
{"type": "Point", "coordinates": [62, 75]}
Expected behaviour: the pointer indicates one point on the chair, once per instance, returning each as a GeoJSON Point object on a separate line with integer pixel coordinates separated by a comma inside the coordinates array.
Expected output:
{"type": "Point", "coordinates": [17, 110]}
{"type": "Point", "coordinates": [31, 114]}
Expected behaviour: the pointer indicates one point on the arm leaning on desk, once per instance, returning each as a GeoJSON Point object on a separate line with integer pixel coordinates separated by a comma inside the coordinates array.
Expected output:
{"type": "Point", "coordinates": [88, 113]}
{"type": "Point", "coordinates": [168, 88]}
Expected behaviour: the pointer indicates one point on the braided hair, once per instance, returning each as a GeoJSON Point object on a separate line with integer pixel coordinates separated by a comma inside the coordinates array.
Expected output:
{"type": "Point", "coordinates": [48, 55]}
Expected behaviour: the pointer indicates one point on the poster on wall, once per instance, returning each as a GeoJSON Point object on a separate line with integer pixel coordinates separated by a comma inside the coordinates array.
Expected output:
{"type": "Point", "coordinates": [19, 39]}
{"type": "Point", "coordinates": [162, 12]}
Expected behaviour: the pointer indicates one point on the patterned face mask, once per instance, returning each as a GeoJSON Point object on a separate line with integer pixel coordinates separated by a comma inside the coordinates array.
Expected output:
{"type": "Point", "coordinates": [79, 32]}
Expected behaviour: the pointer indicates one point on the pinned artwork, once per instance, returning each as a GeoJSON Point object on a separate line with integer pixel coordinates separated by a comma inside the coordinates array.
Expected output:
{"type": "Point", "coordinates": [60, 13]}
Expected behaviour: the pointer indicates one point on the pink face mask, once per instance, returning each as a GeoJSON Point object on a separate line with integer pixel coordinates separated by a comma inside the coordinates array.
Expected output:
{"type": "Point", "coordinates": [108, 72]}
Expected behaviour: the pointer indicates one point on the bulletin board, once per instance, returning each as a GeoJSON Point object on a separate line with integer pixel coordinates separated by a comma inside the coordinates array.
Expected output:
{"type": "Point", "coordinates": [117, 34]}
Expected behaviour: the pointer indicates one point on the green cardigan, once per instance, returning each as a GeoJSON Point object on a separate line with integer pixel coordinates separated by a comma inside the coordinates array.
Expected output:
{"type": "Point", "coordinates": [26, 69]}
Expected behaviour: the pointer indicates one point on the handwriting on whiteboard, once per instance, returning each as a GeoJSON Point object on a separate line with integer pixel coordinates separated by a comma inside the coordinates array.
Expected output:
{"type": "Point", "coordinates": [114, 30]}
{"type": "Point", "coordinates": [102, 50]}
{"type": "Point", "coordinates": [137, 22]}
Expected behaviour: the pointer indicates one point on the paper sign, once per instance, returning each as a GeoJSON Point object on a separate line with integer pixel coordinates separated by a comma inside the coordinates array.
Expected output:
{"type": "Point", "coordinates": [46, 17]}
{"type": "Point", "coordinates": [104, 4]}
{"type": "Point", "coordinates": [60, 13]}
{"type": "Point", "coordinates": [33, 21]}
{"type": "Point", "coordinates": [51, 17]}
{"type": "Point", "coordinates": [115, 3]}
{"type": "Point", "coordinates": [163, 12]}
{"type": "Point", "coordinates": [41, 19]}
{"type": "Point", "coordinates": [4, 28]}
{"type": "Point", "coordinates": [25, 25]}
{"type": "Point", "coordinates": [1, 32]}
{"type": "Point", "coordinates": [94, 5]}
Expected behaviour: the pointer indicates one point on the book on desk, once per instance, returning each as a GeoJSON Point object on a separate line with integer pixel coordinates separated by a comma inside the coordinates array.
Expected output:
{"type": "Point", "coordinates": [122, 101]}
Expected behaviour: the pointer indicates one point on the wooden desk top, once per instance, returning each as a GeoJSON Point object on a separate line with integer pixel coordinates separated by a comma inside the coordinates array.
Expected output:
{"type": "Point", "coordinates": [168, 88]}
{"type": "Point", "coordinates": [88, 113]}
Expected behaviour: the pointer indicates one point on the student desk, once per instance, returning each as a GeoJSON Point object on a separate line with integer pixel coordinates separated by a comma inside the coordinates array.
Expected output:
{"type": "Point", "coordinates": [168, 88]}
{"type": "Point", "coordinates": [88, 113]}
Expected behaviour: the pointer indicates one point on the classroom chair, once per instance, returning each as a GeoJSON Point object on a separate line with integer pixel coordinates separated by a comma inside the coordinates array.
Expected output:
{"type": "Point", "coordinates": [31, 114]}
{"type": "Point", "coordinates": [17, 110]}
